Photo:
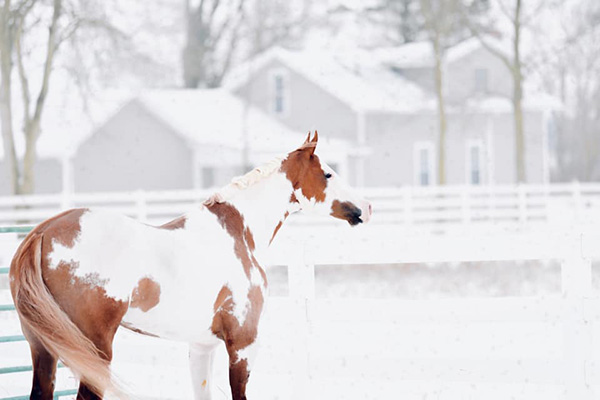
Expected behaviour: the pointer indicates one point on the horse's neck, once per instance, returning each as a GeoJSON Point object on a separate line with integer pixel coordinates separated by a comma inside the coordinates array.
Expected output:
{"type": "Point", "coordinates": [264, 206]}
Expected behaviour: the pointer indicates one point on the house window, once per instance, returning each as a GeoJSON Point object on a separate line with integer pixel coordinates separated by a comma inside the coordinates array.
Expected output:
{"type": "Point", "coordinates": [424, 164]}
{"type": "Point", "coordinates": [475, 163]}
{"type": "Point", "coordinates": [279, 92]}
{"type": "Point", "coordinates": [481, 80]}
{"type": "Point", "coordinates": [208, 177]}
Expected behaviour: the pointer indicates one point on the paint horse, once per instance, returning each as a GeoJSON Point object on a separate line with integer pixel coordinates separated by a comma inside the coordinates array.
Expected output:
{"type": "Point", "coordinates": [80, 275]}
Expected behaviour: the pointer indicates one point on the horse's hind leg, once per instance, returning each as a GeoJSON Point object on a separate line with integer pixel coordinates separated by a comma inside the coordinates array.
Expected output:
{"type": "Point", "coordinates": [44, 369]}
{"type": "Point", "coordinates": [105, 347]}
{"type": "Point", "coordinates": [103, 340]}
{"type": "Point", "coordinates": [201, 367]}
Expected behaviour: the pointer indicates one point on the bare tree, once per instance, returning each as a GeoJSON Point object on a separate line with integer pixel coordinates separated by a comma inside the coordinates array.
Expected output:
{"type": "Point", "coordinates": [400, 18]}
{"type": "Point", "coordinates": [213, 28]}
{"type": "Point", "coordinates": [575, 61]}
{"type": "Point", "coordinates": [515, 65]}
{"type": "Point", "coordinates": [13, 21]}
{"type": "Point", "coordinates": [275, 22]}
{"type": "Point", "coordinates": [58, 22]}
{"type": "Point", "coordinates": [441, 23]}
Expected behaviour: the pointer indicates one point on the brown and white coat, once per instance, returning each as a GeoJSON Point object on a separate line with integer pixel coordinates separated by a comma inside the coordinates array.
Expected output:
{"type": "Point", "coordinates": [78, 276]}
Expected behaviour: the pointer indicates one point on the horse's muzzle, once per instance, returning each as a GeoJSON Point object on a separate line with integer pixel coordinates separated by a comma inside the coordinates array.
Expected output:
{"type": "Point", "coordinates": [347, 211]}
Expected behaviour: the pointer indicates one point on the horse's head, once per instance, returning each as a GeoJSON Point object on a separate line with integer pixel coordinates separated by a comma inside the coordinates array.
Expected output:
{"type": "Point", "coordinates": [318, 189]}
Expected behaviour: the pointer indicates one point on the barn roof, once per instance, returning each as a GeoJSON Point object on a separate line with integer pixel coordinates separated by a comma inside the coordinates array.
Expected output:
{"type": "Point", "coordinates": [420, 54]}
{"type": "Point", "coordinates": [351, 78]}
{"type": "Point", "coordinates": [214, 117]}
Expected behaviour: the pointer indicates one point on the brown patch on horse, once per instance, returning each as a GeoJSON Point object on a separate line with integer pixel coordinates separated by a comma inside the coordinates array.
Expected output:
{"type": "Point", "coordinates": [249, 239]}
{"type": "Point", "coordinates": [146, 295]}
{"type": "Point", "coordinates": [177, 223]}
{"type": "Point", "coordinates": [303, 169]}
{"type": "Point", "coordinates": [279, 225]}
{"type": "Point", "coordinates": [233, 222]}
{"type": "Point", "coordinates": [63, 228]}
{"type": "Point", "coordinates": [70, 316]}
{"type": "Point", "coordinates": [226, 326]}
{"type": "Point", "coordinates": [85, 301]}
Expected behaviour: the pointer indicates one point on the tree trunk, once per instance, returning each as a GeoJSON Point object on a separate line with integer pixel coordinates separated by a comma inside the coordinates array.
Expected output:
{"type": "Point", "coordinates": [10, 155]}
{"type": "Point", "coordinates": [439, 91]}
{"type": "Point", "coordinates": [518, 98]}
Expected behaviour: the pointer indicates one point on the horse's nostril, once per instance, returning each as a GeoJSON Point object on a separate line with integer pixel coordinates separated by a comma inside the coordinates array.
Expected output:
{"type": "Point", "coordinates": [370, 209]}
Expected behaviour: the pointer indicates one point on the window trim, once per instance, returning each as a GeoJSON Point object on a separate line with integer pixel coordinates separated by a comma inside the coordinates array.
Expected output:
{"type": "Point", "coordinates": [486, 87]}
{"type": "Point", "coordinates": [475, 143]}
{"type": "Point", "coordinates": [286, 95]}
{"type": "Point", "coordinates": [429, 146]}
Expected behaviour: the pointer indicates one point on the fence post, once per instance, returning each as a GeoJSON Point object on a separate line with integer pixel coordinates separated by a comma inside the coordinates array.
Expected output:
{"type": "Point", "coordinates": [522, 203]}
{"type": "Point", "coordinates": [577, 203]}
{"type": "Point", "coordinates": [65, 200]}
{"type": "Point", "coordinates": [301, 280]}
{"type": "Point", "coordinates": [142, 205]}
{"type": "Point", "coordinates": [465, 204]}
{"type": "Point", "coordinates": [407, 195]}
{"type": "Point", "coordinates": [576, 274]}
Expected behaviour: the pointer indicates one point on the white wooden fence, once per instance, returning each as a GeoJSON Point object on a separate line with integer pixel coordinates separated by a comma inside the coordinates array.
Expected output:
{"type": "Point", "coordinates": [572, 316]}
{"type": "Point", "coordinates": [315, 340]}
{"type": "Point", "coordinates": [354, 340]}
{"type": "Point", "coordinates": [410, 206]}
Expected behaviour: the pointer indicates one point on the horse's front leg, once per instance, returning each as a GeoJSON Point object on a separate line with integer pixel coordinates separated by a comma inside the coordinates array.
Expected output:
{"type": "Point", "coordinates": [240, 365]}
{"type": "Point", "coordinates": [201, 367]}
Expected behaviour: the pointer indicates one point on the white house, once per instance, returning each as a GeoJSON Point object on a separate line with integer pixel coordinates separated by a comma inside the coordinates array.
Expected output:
{"type": "Point", "coordinates": [383, 101]}
{"type": "Point", "coordinates": [184, 139]}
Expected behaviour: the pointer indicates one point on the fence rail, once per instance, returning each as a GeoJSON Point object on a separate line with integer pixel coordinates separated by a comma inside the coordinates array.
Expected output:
{"type": "Point", "coordinates": [411, 206]}
{"type": "Point", "coordinates": [574, 312]}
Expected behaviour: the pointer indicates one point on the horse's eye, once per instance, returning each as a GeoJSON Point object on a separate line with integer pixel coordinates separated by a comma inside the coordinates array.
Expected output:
{"type": "Point", "coordinates": [328, 175]}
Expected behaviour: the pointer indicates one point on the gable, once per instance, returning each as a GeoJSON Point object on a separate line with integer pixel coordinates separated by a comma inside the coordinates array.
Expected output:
{"type": "Point", "coordinates": [476, 73]}
{"type": "Point", "coordinates": [133, 150]}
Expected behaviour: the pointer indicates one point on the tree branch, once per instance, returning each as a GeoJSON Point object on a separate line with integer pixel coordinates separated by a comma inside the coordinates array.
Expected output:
{"type": "Point", "coordinates": [232, 45]}
{"type": "Point", "coordinates": [476, 32]}
{"type": "Point", "coordinates": [21, 69]}
{"type": "Point", "coordinates": [505, 11]}
{"type": "Point", "coordinates": [51, 48]}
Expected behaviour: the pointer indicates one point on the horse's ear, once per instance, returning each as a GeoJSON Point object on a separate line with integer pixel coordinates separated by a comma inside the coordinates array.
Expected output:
{"type": "Point", "coordinates": [309, 144]}
{"type": "Point", "coordinates": [312, 145]}
{"type": "Point", "coordinates": [307, 139]}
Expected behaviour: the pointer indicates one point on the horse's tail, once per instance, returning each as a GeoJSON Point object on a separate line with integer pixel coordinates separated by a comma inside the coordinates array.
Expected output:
{"type": "Point", "coordinates": [42, 317]}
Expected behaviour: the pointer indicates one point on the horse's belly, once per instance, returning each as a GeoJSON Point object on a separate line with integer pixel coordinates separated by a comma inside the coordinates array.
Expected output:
{"type": "Point", "coordinates": [186, 267]}
{"type": "Point", "coordinates": [184, 312]}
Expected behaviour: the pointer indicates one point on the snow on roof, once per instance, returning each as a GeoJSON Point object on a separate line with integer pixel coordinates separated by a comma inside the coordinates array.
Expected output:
{"type": "Point", "coordinates": [536, 102]}
{"type": "Point", "coordinates": [363, 89]}
{"type": "Point", "coordinates": [215, 117]}
{"type": "Point", "coordinates": [420, 54]}
{"type": "Point", "coordinates": [65, 125]}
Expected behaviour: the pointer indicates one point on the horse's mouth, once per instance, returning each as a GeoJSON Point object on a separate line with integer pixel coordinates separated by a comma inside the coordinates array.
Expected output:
{"type": "Point", "coordinates": [347, 211]}
{"type": "Point", "coordinates": [354, 219]}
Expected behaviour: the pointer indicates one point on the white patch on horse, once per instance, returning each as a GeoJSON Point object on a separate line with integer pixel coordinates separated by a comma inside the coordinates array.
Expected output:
{"type": "Point", "coordinates": [239, 293]}
{"type": "Point", "coordinates": [105, 243]}
{"type": "Point", "coordinates": [263, 206]}
{"type": "Point", "coordinates": [248, 353]}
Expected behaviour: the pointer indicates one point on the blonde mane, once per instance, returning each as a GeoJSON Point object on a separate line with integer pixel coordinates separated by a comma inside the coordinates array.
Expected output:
{"type": "Point", "coordinates": [240, 183]}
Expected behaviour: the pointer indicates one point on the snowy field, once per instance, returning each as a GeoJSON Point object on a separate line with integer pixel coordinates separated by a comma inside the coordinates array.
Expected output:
{"type": "Point", "coordinates": [412, 330]}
